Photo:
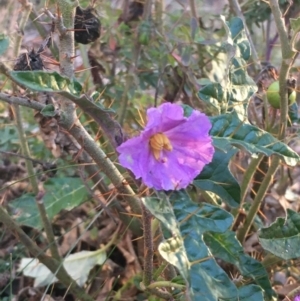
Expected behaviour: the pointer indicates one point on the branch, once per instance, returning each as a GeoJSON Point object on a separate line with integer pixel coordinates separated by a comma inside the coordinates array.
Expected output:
{"type": "Point", "coordinates": [133, 66]}
{"type": "Point", "coordinates": [69, 120]}
{"type": "Point", "coordinates": [53, 265]}
{"type": "Point", "coordinates": [148, 247]}
{"type": "Point", "coordinates": [287, 59]}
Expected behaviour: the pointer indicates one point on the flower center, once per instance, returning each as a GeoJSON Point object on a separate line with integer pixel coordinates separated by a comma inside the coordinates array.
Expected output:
{"type": "Point", "coordinates": [159, 142]}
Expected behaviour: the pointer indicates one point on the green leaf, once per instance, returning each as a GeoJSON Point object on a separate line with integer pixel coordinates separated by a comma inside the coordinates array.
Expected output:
{"type": "Point", "coordinates": [238, 35]}
{"type": "Point", "coordinates": [203, 216]}
{"type": "Point", "coordinates": [194, 220]}
{"type": "Point", "coordinates": [250, 293]}
{"type": "Point", "coordinates": [61, 193]}
{"type": "Point", "coordinates": [238, 87]}
{"type": "Point", "coordinates": [282, 238]}
{"type": "Point", "coordinates": [226, 247]}
{"type": "Point", "coordinates": [49, 111]}
{"type": "Point", "coordinates": [295, 24]}
{"type": "Point", "coordinates": [173, 251]}
{"type": "Point", "coordinates": [4, 42]}
{"type": "Point", "coordinates": [161, 208]}
{"type": "Point", "coordinates": [213, 95]}
{"type": "Point", "coordinates": [54, 82]}
{"type": "Point", "coordinates": [229, 130]}
{"type": "Point", "coordinates": [293, 114]}
{"type": "Point", "coordinates": [217, 178]}
{"type": "Point", "coordinates": [187, 250]}
{"type": "Point", "coordinates": [47, 82]}
{"type": "Point", "coordinates": [187, 110]}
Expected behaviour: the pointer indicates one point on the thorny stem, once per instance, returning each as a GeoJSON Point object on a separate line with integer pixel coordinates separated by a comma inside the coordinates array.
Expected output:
{"type": "Point", "coordinates": [248, 177]}
{"type": "Point", "coordinates": [99, 157]}
{"type": "Point", "coordinates": [25, 148]}
{"type": "Point", "coordinates": [242, 232]}
{"type": "Point", "coordinates": [53, 265]}
{"type": "Point", "coordinates": [159, 6]}
{"type": "Point", "coordinates": [287, 59]}
{"type": "Point", "coordinates": [42, 31]}
{"type": "Point", "coordinates": [148, 247]}
{"type": "Point", "coordinates": [89, 145]}
{"type": "Point", "coordinates": [132, 69]}
{"type": "Point", "coordinates": [194, 10]}
{"type": "Point", "coordinates": [288, 56]}
{"type": "Point", "coordinates": [95, 175]}
{"type": "Point", "coordinates": [16, 109]}
{"type": "Point", "coordinates": [147, 10]}
{"type": "Point", "coordinates": [69, 119]}
{"type": "Point", "coordinates": [65, 24]}
{"type": "Point", "coordinates": [47, 226]}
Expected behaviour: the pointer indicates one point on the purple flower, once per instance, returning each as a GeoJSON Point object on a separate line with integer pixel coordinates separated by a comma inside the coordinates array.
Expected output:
{"type": "Point", "coordinates": [297, 298]}
{"type": "Point", "coordinates": [171, 151]}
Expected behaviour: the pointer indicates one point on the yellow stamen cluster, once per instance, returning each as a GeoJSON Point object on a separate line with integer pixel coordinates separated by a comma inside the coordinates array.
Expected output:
{"type": "Point", "coordinates": [159, 142]}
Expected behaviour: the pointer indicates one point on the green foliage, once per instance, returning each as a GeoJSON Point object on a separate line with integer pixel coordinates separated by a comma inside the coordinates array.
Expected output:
{"type": "Point", "coordinates": [259, 11]}
{"type": "Point", "coordinates": [144, 32]}
{"type": "Point", "coordinates": [250, 293]}
{"type": "Point", "coordinates": [211, 64]}
{"type": "Point", "coordinates": [47, 82]}
{"type": "Point", "coordinates": [60, 193]}
{"type": "Point", "coordinates": [217, 178]}
{"type": "Point", "coordinates": [293, 114]}
{"type": "Point", "coordinates": [283, 236]}
{"type": "Point", "coordinates": [229, 130]}
{"type": "Point", "coordinates": [187, 223]}
{"type": "Point", "coordinates": [8, 137]}
{"type": "Point", "coordinates": [238, 86]}
{"type": "Point", "coordinates": [226, 247]}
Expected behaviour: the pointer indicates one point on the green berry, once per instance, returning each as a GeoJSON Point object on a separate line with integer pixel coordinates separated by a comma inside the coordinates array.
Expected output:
{"type": "Point", "coordinates": [274, 97]}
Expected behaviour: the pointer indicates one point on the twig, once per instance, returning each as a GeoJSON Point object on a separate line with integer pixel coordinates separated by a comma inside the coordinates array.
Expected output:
{"type": "Point", "coordinates": [98, 155]}
{"type": "Point", "coordinates": [24, 157]}
{"type": "Point", "coordinates": [94, 196]}
{"type": "Point", "coordinates": [43, 33]}
{"type": "Point", "coordinates": [91, 147]}
{"type": "Point", "coordinates": [159, 5]}
{"type": "Point", "coordinates": [132, 69]}
{"type": "Point", "coordinates": [16, 109]}
{"type": "Point", "coordinates": [243, 231]}
{"type": "Point", "coordinates": [193, 10]}
{"type": "Point", "coordinates": [47, 226]}
{"type": "Point", "coordinates": [25, 148]}
{"type": "Point", "coordinates": [69, 120]}
{"type": "Point", "coordinates": [53, 265]}
{"type": "Point", "coordinates": [287, 59]}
